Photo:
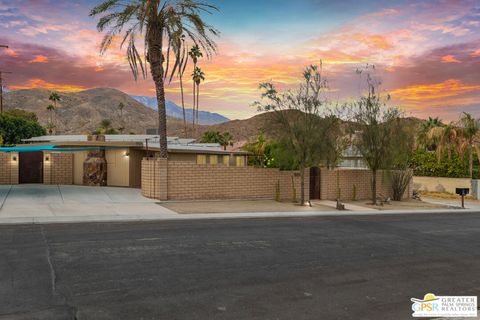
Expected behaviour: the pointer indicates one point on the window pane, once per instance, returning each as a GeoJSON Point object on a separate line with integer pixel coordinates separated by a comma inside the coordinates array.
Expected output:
{"type": "Point", "coordinates": [201, 159]}
{"type": "Point", "coordinates": [240, 161]}
{"type": "Point", "coordinates": [213, 159]}
{"type": "Point", "coordinates": [226, 160]}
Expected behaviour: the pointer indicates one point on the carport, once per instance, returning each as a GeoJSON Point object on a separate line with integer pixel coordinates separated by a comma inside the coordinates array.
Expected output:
{"type": "Point", "coordinates": [59, 164]}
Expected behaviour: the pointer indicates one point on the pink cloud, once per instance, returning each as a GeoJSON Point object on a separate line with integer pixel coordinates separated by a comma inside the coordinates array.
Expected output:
{"type": "Point", "coordinates": [449, 58]}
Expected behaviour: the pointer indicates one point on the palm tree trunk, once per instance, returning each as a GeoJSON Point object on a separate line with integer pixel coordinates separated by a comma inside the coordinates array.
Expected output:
{"type": "Point", "coordinates": [183, 108]}
{"type": "Point", "coordinates": [193, 107]}
{"type": "Point", "coordinates": [196, 113]}
{"type": "Point", "coordinates": [155, 58]}
{"type": "Point", "coordinates": [374, 187]}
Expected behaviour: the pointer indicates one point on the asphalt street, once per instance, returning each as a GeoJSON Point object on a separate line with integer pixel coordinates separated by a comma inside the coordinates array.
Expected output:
{"type": "Point", "coordinates": [344, 267]}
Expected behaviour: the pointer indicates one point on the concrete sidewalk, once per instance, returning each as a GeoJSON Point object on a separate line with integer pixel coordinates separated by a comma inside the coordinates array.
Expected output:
{"type": "Point", "coordinates": [38, 204]}
{"type": "Point", "coordinates": [469, 204]}
{"type": "Point", "coordinates": [140, 214]}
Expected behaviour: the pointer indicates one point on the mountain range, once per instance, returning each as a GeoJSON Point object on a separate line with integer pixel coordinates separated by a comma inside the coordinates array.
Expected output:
{"type": "Point", "coordinates": [81, 112]}
{"type": "Point", "coordinates": [173, 110]}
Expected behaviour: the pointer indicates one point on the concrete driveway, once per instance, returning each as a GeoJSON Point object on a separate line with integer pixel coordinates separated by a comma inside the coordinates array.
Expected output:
{"type": "Point", "coordinates": [31, 201]}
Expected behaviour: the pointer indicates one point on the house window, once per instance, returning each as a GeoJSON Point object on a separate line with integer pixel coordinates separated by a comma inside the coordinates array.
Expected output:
{"type": "Point", "coordinates": [201, 159]}
{"type": "Point", "coordinates": [213, 159]}
{"type": "Point", "coordinates": [240, 161]}
{"type": "Point", "coordinates": [226, 160]}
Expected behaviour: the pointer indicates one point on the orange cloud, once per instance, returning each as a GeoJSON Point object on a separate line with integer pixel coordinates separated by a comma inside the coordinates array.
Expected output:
{"type": "Point", "coordinates": [450, 59]}
{"type": "Point", "coordinates": [476, 53]}
{"type": "Point", "coordinates": [11, 53]}
{"type": "Point", "coordinates": [39, 59]}
{"type": "Point", "coordinates": [427, 92]}
{"type": "Point", "coordinates": [39, 83]}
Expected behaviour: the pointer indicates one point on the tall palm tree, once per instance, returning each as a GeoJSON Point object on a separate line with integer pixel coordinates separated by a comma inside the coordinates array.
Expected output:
{"type": "Point", "coordinates": [446, 138]}
{"type": "Point", "coordinates": [195, 53]}
{"type": "Point", "coordinates": [468, 130]}
{"type": "Point", "coordinates": [422, 139]}
{"type": "Point", "coordinates": [181, 71]}
{"type": "Point", "coordinates": [158, 23]}
{"type": "Point", "coordinates": [51, 109]}
{"type": "Point", "coordinates": [198, 76]}
{"type": "Point", "coordinates": [54, 97]}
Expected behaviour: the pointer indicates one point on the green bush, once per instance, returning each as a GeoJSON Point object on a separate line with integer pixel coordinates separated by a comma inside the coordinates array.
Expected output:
{"type": "Point", "coordinates": [425, 163]}
{"type": "Point", "coordinates": [14, 128]}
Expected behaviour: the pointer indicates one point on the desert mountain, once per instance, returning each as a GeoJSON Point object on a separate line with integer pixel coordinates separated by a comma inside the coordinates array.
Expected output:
{"type": "Point", "coordinates": [82, 112]}
{"type": "Point", "coordinates": [174, 111]}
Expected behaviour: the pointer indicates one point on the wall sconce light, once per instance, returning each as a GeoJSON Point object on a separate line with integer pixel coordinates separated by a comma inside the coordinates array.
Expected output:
{"type": "Point", "coordinates": [126, 154]}
{"type": "Point", "coordinates": [47, 158]}
{"type": "Point", "coordinates": [14, 158]}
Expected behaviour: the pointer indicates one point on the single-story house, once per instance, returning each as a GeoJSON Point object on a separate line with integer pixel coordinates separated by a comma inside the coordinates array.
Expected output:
{"type": "Point", "coordinates": [191, 171]}
{"type": "Point", "coordinates": [61, 158]}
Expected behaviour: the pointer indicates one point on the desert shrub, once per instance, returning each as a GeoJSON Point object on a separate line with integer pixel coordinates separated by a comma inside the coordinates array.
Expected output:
{"type": "Point", "coordinates": [400, 180]}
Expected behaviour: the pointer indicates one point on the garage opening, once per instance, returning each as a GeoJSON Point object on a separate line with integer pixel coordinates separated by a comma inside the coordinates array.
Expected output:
{"type": "Point", "coordinates": [30, 167]}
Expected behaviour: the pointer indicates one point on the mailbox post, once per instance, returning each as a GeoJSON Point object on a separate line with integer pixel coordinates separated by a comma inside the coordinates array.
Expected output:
{"type": "Point", "coordinates": [462, 192]}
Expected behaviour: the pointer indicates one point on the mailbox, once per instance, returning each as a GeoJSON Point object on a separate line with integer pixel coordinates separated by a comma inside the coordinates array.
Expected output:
{"type": "Point", "coordinates": [462, 191]}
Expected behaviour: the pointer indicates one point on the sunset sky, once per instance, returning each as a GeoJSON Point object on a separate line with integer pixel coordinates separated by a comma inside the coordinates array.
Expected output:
{"type": "Point", "coordinates": [426, 52]}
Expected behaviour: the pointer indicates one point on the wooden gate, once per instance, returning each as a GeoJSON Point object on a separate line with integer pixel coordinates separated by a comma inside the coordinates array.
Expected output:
{"type": "Point", "coordinates": [314, 183]}
{"type": "Point", "coordinates": [31, 167]}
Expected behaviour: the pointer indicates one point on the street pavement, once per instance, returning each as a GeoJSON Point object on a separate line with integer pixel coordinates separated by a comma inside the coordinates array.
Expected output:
{"type": "Point", "coordinates": [337, 267]}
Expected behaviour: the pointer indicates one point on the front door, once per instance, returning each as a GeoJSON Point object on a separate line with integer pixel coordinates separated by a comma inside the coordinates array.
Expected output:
{"type": "Point", "coordinates": [314, 183]}
{"type": "Point", "coordinates": [31, 167]}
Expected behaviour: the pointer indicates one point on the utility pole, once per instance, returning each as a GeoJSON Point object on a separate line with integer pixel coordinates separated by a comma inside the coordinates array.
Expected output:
{"type": "Point", "coordinates": [1, 84]}
{"type": "Point", "coordinates": [1, 90]}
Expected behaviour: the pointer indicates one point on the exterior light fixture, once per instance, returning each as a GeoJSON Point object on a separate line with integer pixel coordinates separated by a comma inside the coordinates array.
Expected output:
{"type": "Point", "coordinates": [47, 158]}
{"type": "Point", "coordinates": [126, 154]}
{"type": "Point", "coordinates": [14, 158]}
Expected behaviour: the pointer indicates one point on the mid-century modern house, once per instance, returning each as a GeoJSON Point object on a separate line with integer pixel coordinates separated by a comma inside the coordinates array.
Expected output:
{"type": "Point", "coordinates": [63, 159]}
{"type": "Point", "coordinates": [191, 171]}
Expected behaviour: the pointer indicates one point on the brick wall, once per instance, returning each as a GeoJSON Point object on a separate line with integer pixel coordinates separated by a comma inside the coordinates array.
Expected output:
{"type": "Point", "coordinates": [188, 181]}
{"type": "Point", "coordinates": [8, 168]}
{"type": "Point", "coordinates": [58, 169]}
{"type": "Point", "coordinates": [154, 178]}
{"type": "Point", "coordinates": [342, 182]}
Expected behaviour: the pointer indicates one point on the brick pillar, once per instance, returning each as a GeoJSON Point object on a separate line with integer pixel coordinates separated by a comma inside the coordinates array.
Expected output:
{"type": "Point", "coordinates": [155, 178]}
{"type": "Point", "coordinates": [14, 168]}
{"type": "Point", "coordinates": [47, 168]}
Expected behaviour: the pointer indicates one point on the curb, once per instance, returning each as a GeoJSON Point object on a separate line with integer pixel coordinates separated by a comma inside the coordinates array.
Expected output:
{"type": "Point", "coordinates": [216, 216]}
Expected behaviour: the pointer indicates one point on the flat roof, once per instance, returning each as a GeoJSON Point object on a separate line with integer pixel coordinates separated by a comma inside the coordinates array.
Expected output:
{"type": "Point", "coordinates": [108, 138]}
{"type": "Point", "coordinates": [175, 144]}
